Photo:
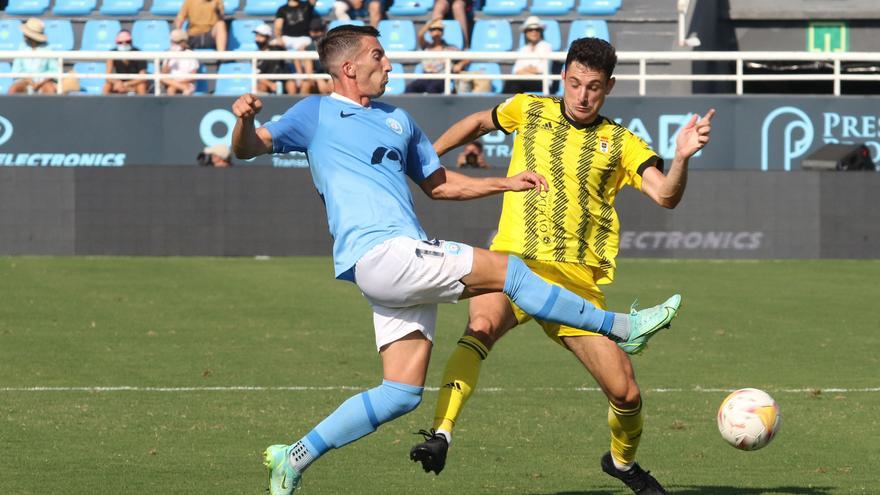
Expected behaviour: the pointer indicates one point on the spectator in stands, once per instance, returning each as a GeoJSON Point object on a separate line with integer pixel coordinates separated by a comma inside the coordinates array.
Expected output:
{"type": "Point", "coordinates": [262, 36]}
{"type": "Point", "coordinates": [125, 86]}
{"type": "Point", "coordinates": [436, 66]}
{"type": "Point", "coordinates": [374, 10]}
{"type": "Point", "coordinates": [472, 156]}
{"type": "Point", "coordinates": [292, 22]}
{"type": "Point", "coordinates": [180, 67]}
{"type": "Point", "coordinates": [217, 156]}
{"type": "Point", "coordinates": [206, 29]}
{"type": "Point", "coordinates": [460, 10]}
{"type": "Point", "coordinates": [34, 40]}
{"type": "Point", "coordinates": [309, 86]}
{"type": "Point", "coordinates": [533, 30]}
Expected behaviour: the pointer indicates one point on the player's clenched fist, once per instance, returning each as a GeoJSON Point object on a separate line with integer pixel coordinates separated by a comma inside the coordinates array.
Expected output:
{"type": "Point", "coordinates": [247, 106]}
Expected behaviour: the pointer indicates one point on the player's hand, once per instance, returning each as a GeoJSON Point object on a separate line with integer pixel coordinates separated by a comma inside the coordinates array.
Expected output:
{"type": "Point", "coordinates": [247, 106]}
{"type": "Point", "coordinates": [694, 135]}
{"type": "Point", "coordinates": [526, 181]}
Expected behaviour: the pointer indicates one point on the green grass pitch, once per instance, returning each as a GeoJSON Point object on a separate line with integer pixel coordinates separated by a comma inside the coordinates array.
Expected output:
{"type": "Point", "coordinates": [191, 335]}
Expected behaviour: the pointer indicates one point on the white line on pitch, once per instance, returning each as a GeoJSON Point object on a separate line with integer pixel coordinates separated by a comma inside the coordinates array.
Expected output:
{"type": "Point", "coordinates": [433, 389]}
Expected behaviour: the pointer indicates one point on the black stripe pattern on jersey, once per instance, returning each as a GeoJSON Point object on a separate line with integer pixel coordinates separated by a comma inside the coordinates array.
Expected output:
{"type": "Point", "coordinates": [606, 212]}
{"type": "Point", "coordinates": [530, 205]}
{"type": "Point", "coordinates": [557, 189]}
{"type": "Point", "coordinates": [585, 164]}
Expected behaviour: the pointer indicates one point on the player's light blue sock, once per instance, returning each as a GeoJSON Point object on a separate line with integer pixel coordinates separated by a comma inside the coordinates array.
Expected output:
{"type": "Point", "coordinates": [358, 416]}
{"type": "Point", "coordinates": [553, 303]}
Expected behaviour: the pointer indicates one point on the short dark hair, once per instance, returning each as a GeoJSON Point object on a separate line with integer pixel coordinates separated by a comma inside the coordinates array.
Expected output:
{"type": "Point", "coordinates": [340, 41]}
{"type": "Point", "coordinates": [478, 144]}
{"type": "Point", "coordinates": [595, 53]}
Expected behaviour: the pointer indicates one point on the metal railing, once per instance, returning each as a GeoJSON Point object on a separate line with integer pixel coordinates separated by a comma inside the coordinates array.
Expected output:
{"type": "Point", "coordinates": [644, 61]}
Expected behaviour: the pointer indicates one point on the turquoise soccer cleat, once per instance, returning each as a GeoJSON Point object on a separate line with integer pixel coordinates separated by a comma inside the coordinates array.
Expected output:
{"type": "Point", "coordinates": [645, 323]}
{"type": "Point", "coordinates": [282, 478]}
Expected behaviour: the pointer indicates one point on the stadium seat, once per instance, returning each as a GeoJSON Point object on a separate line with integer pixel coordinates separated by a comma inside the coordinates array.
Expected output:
{"type": "Point", "coordinates": [230, 6]}
{"type": "Point", "coordinates": [27, 7]}
{"type": "Point", "coordinates": [492, 36]}
{"type": "Point", "coordinates": [411, 7]}
{"type": "Point", "coordinates": [202, 87]}
{"type": "Point", "coordinates": [551, 7]}
{"type": "Point", "coordinates": [166, 7]}
{"type": "Point", "coordinates": [10, 34]}
{"type": "Point", "coordinates": [262, 7]}
{"type": "Point", "coordinates": [121, 7]}
{"type": "Point", "coordinates": [323, 7]}
{"type": "Point", "coordinates": [583, 28]}
{"type": "Point", "coordinates": [598, 7]}
{"type": "Point", "coordinates": [398, 35]}
{"type": "Point", "coordinates": [338, 22]}
{"type": "Point", "coordinates": [99, 34]}
{"type": "Point", "coordinates": [487, 68]}
{"type": "Point", "coordinates": [241, 37]}
{"type": "Point", "coordinates": [504, 7]}
{"type": "Point", "coordinates": [5, 82]}
{"type": "Point", "coordinates": [88, 85]}
{"type": "Point", "coordinates": [74, 7]}
{"type": "Point", "coordinates": [396, 86]}
{"type": "Point", "coordinates": [551, 34]}
{"type": "Point", "coordinates": [150, 35]}
{"type": "Point", "coordinates": [237, 86]}
{"type": "Point", "coordinates": [60, 33]}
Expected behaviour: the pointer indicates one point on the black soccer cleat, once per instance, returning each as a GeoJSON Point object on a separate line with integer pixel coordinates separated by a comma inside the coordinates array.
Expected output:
{"type": "Point", "coordinates": [639, 480]}
{"type": "Point", "coordinates": [432, 452]}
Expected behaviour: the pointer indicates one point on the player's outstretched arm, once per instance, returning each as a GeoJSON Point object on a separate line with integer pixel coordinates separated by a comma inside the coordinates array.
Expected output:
{"type": "Point", "coordinates": [446, 184]}
{"type": "Point", "coordinates": [667, 190]}
{"type": "Point", "coordinates": [249, 141]}
{"type": "Point", "coordinates": [465, 131]}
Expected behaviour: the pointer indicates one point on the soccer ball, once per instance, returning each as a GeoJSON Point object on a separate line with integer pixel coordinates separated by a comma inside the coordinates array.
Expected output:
{"type": "Point", "coordinates": [748, 419]}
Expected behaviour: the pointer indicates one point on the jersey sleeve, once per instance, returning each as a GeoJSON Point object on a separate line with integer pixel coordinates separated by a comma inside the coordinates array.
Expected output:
{"type": "Point", "coordinates": [421, 159]}
{"type": "Point", "coordinates": [295, 129]}
{"type": "Point", "coordinates": [508, 115]}
{"type": "Point", "coordinates": [636, 158]}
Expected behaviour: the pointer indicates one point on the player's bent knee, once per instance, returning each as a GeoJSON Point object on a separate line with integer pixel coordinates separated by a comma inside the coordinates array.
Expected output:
{"type": "Point", "coordinates": [625, 398]}
{"type": "Point", "coordinates": [484, 330]}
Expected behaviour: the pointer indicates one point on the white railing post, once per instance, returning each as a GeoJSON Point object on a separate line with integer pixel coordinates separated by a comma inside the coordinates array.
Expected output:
{"type": "Point", "coordinates": [58, 88]}
{"type": "Point", "coordinates": [739, 76]}
{"type": "Point", "coordinates": [254, 74]}
{"type": "Point", "coordinates": [643, 71]}
{"type": "Point", "coordinates": [447, 82]}
{"type": "Point", "coordinates": [157, 70]}
{"type": "Point", "coordinates": [836, 77]}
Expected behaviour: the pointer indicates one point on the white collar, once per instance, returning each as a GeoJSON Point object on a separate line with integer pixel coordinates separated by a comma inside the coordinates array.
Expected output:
{"type": "Point", "coordinates": [346, 99]}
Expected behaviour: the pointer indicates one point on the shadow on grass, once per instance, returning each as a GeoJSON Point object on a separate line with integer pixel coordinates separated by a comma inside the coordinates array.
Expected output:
{"type": "Point", "coordinates": [732, 490]}
{"type": "Point", "coordinates": [720, 490]}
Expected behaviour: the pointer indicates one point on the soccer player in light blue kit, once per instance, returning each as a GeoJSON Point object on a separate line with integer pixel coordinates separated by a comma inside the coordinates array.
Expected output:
{"type": "Point", "coordinates": [360, 153]}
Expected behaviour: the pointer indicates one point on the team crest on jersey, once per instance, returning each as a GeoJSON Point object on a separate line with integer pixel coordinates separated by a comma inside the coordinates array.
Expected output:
{"type": "Point", "coordinates": [603, 144]}
{"type": "Point", "coordinates": [394, 125]}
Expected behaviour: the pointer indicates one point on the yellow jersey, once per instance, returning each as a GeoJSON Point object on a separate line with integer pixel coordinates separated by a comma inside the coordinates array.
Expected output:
{"type": "Point", "coordinates": [585, 166]}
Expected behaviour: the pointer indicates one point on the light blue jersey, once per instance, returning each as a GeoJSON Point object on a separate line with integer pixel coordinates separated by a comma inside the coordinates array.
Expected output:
{"type": "Point", "coordinates": [358, 157]}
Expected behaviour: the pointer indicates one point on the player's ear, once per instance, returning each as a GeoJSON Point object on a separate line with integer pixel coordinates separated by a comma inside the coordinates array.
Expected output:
{"type": "Point", "coordinates": [610, 85]}
{"type": "Point", "coordinates": [347, 69]}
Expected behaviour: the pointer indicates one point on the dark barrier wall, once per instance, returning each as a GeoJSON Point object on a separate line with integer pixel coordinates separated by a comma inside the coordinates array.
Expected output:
{"type": "Point", "coordinates": [771, 133]}
{"type": "Point", "coordinates": [269, 211]}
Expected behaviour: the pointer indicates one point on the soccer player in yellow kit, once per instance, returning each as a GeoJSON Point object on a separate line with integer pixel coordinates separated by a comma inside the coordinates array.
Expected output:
{"type": "Point", "coordinates": [567, 235]}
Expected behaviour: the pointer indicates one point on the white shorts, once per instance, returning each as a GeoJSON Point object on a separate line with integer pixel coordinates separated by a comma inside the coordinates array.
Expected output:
{"type": "Point", "coordinates": [295, 43]}
{"type": "Point", "coordinates": [404, 279]}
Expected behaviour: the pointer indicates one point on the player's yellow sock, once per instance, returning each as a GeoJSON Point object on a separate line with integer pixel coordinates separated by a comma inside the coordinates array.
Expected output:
{"type": "Point", "coordinates": [626, 431]}
{"type": "Point", "coordinates": [459, 380]}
